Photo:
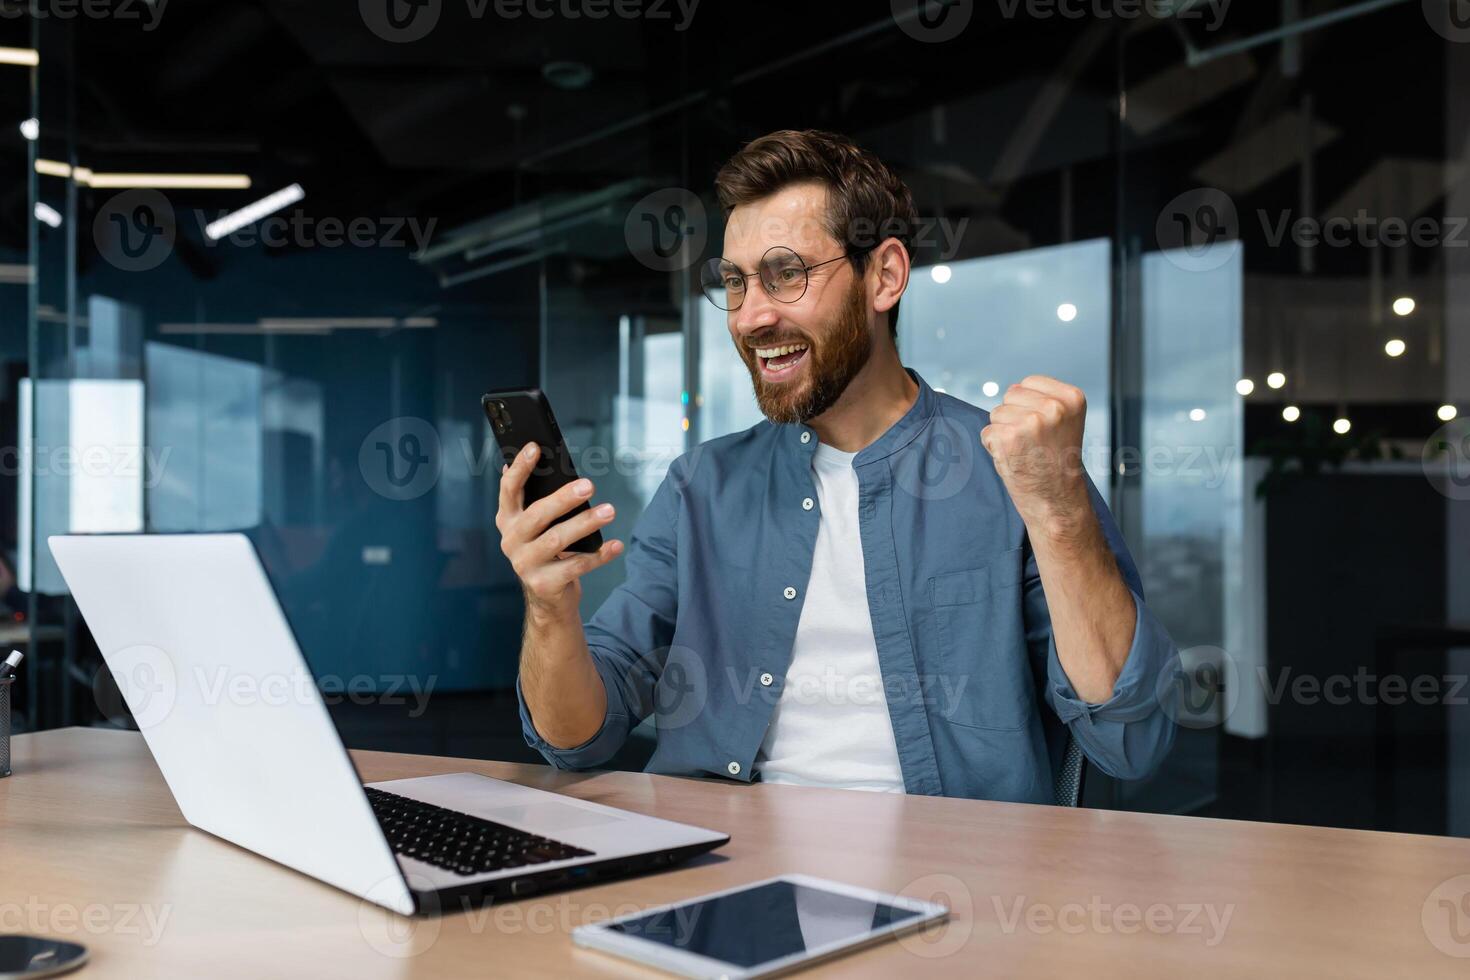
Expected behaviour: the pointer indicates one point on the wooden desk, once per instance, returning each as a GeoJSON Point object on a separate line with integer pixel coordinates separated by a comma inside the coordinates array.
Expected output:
{"type": "Point", "coordinates": [92, 846]}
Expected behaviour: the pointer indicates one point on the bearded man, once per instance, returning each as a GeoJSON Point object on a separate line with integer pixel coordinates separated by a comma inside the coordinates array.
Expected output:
{"type": "Point", "coordinates": [879, 587]}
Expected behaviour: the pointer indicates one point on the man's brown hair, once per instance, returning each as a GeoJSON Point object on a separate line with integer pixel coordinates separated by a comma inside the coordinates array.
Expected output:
{"type": "Point", "coordinates": [867, 202]}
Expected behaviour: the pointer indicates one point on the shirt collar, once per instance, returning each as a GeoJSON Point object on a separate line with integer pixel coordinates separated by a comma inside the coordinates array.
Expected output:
{"type": "Point", "coordinates": [899, 434]}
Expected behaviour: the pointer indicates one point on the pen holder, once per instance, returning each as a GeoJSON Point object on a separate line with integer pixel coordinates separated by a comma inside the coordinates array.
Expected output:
{"type": "Point", "coordinates": [5, 726]}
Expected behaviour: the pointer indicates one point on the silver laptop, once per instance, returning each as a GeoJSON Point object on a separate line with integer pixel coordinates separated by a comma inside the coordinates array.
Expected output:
{"type": "Point", "coordinates": [209, 668]}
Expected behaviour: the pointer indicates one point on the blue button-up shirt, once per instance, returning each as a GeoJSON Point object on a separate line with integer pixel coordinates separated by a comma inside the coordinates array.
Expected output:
{"type": "Point", "coordinates": [700, 633]}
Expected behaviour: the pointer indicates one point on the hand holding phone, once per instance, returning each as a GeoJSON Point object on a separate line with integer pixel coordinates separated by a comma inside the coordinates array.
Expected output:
{"type": "Point", "coordinates": [547, 528]}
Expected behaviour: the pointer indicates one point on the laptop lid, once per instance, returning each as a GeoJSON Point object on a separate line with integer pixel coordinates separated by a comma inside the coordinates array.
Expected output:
{"type": "Point", "coordinates": [209, 667]}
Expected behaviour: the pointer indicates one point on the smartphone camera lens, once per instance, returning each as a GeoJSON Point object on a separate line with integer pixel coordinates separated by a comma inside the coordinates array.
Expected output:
{"type": "Point", "coordinates": [499, 417]}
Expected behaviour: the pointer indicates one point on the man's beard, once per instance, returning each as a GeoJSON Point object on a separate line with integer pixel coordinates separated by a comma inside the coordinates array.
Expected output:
{"type": "Point", "coordinates": [831, 366]}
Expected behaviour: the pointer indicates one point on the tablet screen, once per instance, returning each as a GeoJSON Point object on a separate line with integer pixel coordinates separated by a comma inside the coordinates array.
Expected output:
{"type": "Point", "coordinates": [764, 923]}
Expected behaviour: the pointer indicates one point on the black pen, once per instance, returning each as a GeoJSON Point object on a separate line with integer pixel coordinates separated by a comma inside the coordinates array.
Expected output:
{"type": "Point", "coordinates": [7, 669]}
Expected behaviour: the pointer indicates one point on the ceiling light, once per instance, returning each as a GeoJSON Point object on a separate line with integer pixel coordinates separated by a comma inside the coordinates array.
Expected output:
{"type": "Point", "coordinates": [304, 325]}
{"type": "Point", "coordinates": [1276, 380]}
{"type": "Point", "coordinates": [1291, 413]}
{"type": "Point", "coordinates": [19, 56]}
{"type": "Point", "coordinates": [1066, 312]}
{"type": "Point", "coordinates": [1404, 305]}
{"type": "Point", "coordinates": [1245, 386]}
{"type": "Point", "coordinates": [91, 178]}
{"type": "Point", "coordinates": [1341, 426]}
{"type": "Point", "coordinates": [1395, 347]}
{"type": "Point", "coordinates": [1196, 415]}
{"type": "Point", "coordinates": [941, 274]}
{"type": "Point", "coordinates": [1447, 413]}
{"type": "Point", "coordinates": [30, 128]}
{"type": "Point", "coordinates": [224, 182]}
{"type": "Point", "coordinates": [47, 214]}
{"type": "Point", "coordinates": [990, 388]}
{"type": "Point", "coordinates": [252, 213]}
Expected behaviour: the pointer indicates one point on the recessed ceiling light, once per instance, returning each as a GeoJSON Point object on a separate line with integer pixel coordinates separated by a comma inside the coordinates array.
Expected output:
{"type": "Point", "coordinates": [1276, 380]}
{"type": "Point", "coordinates": [1404, 305]}
{"type": "Point", "coordinates": [990, 388]}
{"type": "Point", "coordinates": [1196, 415]}
{"type": "Point", "coordinates": [1245, 386]}
{"type": "Point", "coordinates": [941, 274]}
{"type": "Point", "coordinates": [1067, 312]}
{"type": "Point", "coordinates": [1291, 413]}
{"type": "Point", "coordinates": [1342, 426]}
{"type": "Point", "coordinates": [30, 128]}
{"type": "Point", "coordinates": [1447, 413]}
{"type": "Point", "coordinates": [1395, 347]}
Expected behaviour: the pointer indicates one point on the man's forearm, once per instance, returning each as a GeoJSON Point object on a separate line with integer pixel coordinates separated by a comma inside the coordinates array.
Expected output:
{"type": "Point", "coordinates": [1092, 612]}
{"type": "Point", "coordinates": [562, 687]}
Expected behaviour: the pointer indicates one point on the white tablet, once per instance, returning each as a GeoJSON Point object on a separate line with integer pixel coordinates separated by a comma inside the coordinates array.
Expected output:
{"type": "Point", "coordinates": [759, 929]}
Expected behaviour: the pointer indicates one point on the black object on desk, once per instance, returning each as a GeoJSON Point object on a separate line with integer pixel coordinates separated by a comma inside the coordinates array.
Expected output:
{"type": "Point", "coordinates": [5, 684]}
{"type": "Point", "coordinates": [34, 956]}
{"type": "Point", "coordinates": [7, 677]}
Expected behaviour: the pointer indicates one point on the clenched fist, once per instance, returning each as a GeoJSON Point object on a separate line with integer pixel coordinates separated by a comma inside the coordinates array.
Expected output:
{"type": "Point", "coordinates": [1035, 438]}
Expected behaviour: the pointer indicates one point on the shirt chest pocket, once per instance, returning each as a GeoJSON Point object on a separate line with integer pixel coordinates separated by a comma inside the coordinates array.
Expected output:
{"type": "Point", "coordinates": [979, 645]}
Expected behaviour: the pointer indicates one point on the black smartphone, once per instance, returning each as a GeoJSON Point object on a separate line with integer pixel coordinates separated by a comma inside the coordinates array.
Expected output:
{"type": "Point", "coordinates": [521, 416]}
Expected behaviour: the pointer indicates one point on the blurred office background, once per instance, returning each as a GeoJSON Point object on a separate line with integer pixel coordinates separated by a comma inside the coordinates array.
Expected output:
{"type": "Point", "coordinates": [463, 196]}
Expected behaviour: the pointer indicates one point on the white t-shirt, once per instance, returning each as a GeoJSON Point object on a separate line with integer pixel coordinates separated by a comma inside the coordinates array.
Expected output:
{"type": "Point", "coordinates": [831, 726]}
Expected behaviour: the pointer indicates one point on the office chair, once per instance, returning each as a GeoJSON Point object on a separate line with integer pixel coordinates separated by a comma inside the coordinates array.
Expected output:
{"type": "Point", "coordinates": [1067, 784]}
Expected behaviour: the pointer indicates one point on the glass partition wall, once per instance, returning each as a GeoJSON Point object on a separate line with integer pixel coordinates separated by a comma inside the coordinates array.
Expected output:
{"type": "Point", "coordinates": [1191, 220]}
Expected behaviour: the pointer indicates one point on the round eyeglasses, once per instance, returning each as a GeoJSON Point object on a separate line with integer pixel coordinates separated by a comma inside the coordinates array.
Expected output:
{"type": "Point", "coordinates": [782, 273]}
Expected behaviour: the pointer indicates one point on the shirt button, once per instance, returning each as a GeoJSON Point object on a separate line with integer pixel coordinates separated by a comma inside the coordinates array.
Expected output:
{"type": "Point", "coordinates": [808, 503]}
{"type": "Point", "coordinates": [789, 592]}
{"type": "Point", "coordinates": [806, 437]}
{"type": "Point", "coordinates": [733, 768]}
{"type": "Point", "coordinates": [767, 680]}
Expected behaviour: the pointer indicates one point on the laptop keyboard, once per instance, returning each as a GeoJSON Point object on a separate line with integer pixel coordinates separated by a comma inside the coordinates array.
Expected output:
{"type": "Point", "coordinates": [459, 842]}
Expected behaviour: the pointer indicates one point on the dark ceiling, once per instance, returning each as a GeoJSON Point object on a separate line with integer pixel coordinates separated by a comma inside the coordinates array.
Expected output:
{"type": "Point", "coordinates": [468, 121]}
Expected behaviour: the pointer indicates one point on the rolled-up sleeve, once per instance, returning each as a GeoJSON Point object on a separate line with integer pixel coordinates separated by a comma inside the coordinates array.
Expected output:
{"type": "Point", "coordinates": [1128, 735]}
{"type": "Point", "coordinates": [629, 635]}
